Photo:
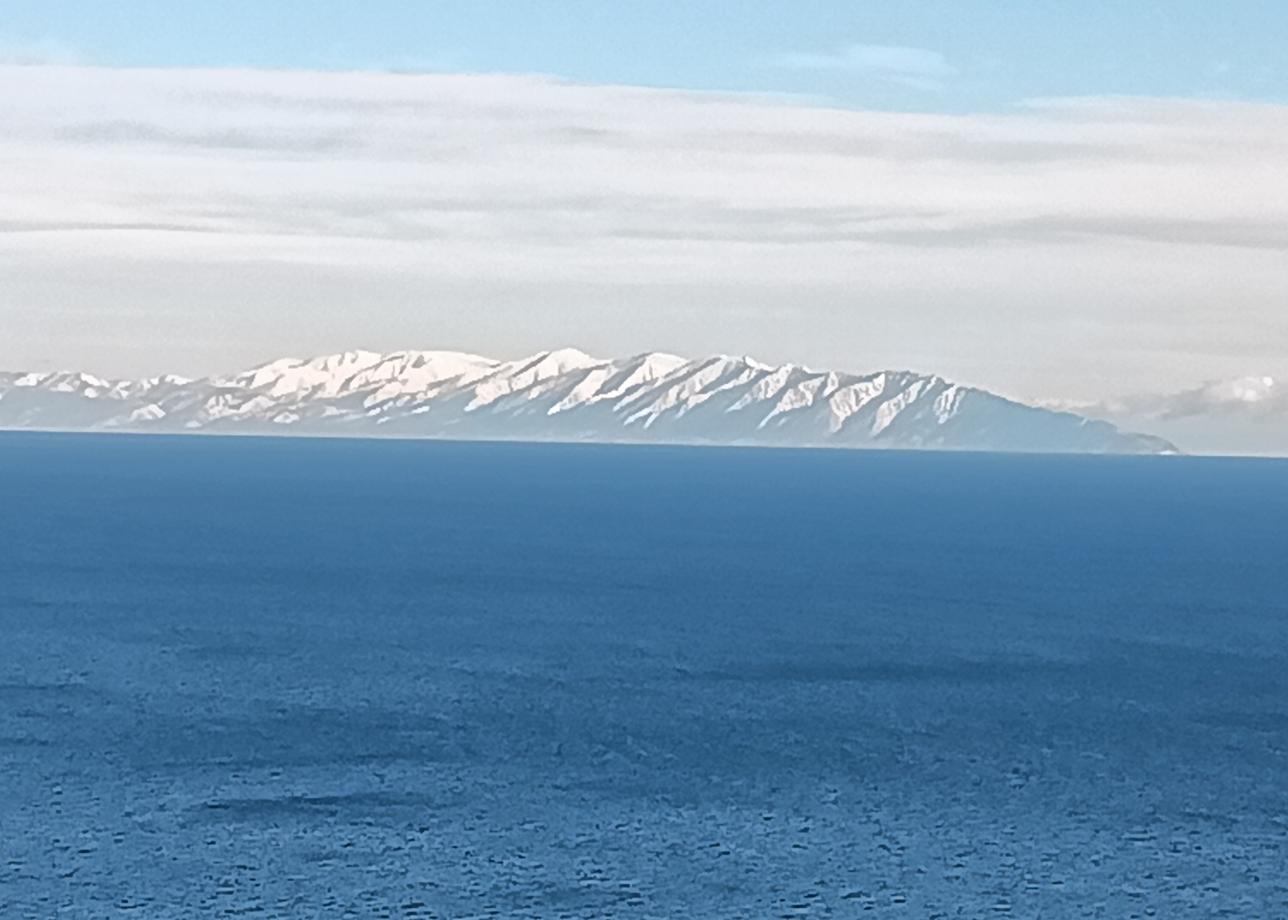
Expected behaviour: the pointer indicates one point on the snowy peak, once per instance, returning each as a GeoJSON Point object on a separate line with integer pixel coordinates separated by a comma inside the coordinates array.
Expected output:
{"type": "Point", "coordinates": [327, 374]}
{"type": "Point", "coordinates": [564, 394]}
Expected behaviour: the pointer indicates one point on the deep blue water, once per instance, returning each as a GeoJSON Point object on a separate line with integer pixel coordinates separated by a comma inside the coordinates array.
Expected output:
{"type": "Point", "coordinates": [359, 678]}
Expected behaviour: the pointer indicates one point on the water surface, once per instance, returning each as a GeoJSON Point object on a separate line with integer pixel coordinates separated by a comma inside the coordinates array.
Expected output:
{"type": "Point", "coordinates": [363, 678]}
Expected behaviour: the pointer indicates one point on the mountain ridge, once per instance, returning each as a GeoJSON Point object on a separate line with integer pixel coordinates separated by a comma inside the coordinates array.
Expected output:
{"type": "Point", "coordinates": [564, 395]}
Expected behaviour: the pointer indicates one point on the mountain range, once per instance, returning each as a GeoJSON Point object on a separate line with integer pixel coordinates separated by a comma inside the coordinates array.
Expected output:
{"type": "Point", "coordinates": [564, 395]}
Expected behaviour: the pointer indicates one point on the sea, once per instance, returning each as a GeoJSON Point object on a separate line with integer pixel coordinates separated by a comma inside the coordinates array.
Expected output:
{"type": "Point", "coordinates": [364, 678]}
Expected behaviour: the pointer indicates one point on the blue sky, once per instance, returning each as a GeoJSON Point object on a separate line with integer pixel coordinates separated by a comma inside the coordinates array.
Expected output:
{"type": "Point", "coordinates": [981, 55]}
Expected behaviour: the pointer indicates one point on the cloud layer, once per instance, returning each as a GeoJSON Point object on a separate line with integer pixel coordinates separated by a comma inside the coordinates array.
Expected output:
{"type": "Point", "coordinates": [1249, 397]}
{"type": "Point", "coordinates": [144, 208]}
{"type": "Point", "coordinates": [499, 157]}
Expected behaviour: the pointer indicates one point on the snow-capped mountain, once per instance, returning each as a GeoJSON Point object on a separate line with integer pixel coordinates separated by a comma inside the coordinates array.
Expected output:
{"type": "Point", "coordinates": [564, 395]}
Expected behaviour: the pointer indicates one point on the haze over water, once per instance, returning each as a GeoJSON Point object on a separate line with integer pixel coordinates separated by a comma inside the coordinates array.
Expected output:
{"type": "Point", "coordinates": [329, 678]}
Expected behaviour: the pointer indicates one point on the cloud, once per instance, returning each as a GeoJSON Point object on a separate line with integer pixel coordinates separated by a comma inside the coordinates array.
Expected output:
{"type": "Point", "coordinates": [1237, 415]}
{"type": "Point", "coordinates": [1241, 397]}
{"type": "Point", "coordinates": [532, 160]}
{"type": "Point", "coordinates": [919, 68]}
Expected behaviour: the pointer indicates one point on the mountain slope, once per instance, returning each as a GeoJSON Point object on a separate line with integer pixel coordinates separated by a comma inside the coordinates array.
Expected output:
{"type": "Point", "coordinates": [564, 395]}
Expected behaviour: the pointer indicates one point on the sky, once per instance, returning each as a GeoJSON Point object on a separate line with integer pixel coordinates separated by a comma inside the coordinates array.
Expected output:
{"type": "Point", "coordinates": [1079, 203]}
